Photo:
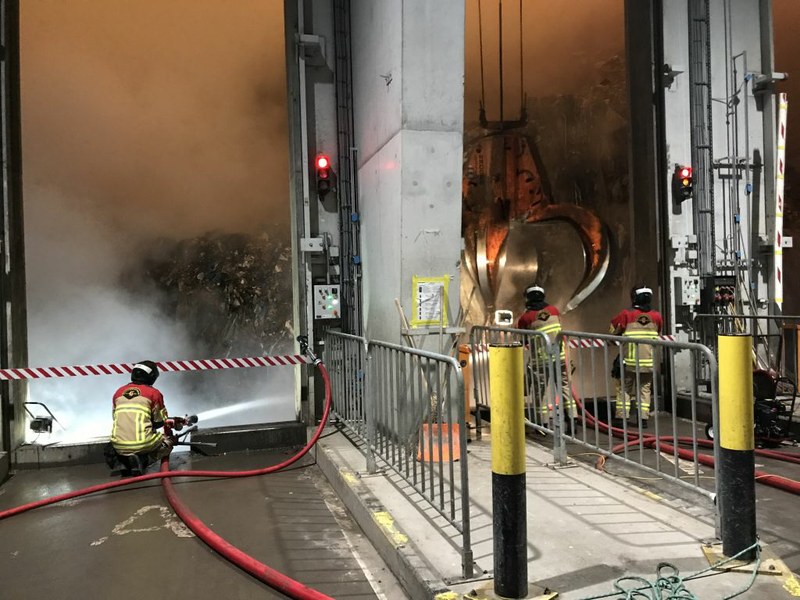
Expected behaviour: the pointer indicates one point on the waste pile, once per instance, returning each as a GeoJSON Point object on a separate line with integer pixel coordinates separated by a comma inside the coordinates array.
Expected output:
{"type": "Point", "coordinates": [231, 292]}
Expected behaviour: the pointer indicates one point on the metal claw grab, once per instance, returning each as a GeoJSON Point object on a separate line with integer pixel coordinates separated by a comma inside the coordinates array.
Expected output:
{"type": "Point", "coordinates": [503, 189]}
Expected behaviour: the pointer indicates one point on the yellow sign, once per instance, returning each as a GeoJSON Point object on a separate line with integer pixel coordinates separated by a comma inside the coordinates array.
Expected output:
{"type": "Point", "coordinates": [430, 301]}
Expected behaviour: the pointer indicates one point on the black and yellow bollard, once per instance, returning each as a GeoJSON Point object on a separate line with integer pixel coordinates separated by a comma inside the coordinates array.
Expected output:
{"type": "Point", "coordinates": [736, 469]}
{"type": "Point", "coordinates": [508, 471]}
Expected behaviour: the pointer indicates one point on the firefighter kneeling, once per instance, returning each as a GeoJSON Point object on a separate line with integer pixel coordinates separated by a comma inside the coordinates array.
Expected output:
{"type": "Point", "coordinates": [138, 413]}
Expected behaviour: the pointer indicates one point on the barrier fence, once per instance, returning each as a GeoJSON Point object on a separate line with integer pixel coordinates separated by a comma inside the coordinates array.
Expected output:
{"type": "Point", "coordinates": [605, 396]}
{"type": "Point", "coordinates": [776, 338]}
{"type": "Point", "coordinates": [346, 359]}
{"type": "Point", "coordinates": [539, 375]}
{"type": "Point", "coordinates": [632, 385]}
{"type": "Point", "coordinates": [407, 407]}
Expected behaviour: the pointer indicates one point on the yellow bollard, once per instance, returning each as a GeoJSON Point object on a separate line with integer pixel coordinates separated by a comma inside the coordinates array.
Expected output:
{"type": "Point", "coordinates": [508, 470]}
{"type": "Point", "coordinates": [736, 469]}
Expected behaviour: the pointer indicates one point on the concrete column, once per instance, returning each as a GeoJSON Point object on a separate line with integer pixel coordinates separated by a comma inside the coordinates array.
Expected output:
{"type": "Point", "coordinates": [408, 88]}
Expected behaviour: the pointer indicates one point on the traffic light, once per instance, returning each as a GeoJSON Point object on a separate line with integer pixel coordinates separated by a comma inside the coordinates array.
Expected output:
{"type": "Point", "coordinates": [326, 178]}
{"type": "Point", "coordinates": [682, 182]}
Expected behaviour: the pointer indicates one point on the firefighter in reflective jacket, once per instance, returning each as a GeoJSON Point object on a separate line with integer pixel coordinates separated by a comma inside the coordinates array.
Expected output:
{"type": "Point", "coordinates": [545, 318]}
{"type": "Point", "coordinates": [138, 413]}
{"type": "Point", "coordinates": [643, 323]}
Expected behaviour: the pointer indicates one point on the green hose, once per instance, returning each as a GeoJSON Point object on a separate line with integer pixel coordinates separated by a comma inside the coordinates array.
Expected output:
{"type": "Point", "coordinates": [669, 585]}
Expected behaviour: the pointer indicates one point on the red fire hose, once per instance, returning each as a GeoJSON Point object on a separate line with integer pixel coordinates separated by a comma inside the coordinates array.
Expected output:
{"type": "Point", "coordinates": [278, 581]}
{"type": "Point", "coordinates": [776, 481]}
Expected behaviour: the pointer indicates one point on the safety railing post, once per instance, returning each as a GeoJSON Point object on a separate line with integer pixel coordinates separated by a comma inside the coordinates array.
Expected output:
{"type": "Point", "coordinates": [508, 471]}
{"type": "Point", "coordinates": [737, 494]}
{"type": "Point", "coordinates": [556, 376]}
{"type": "Point", "coordinates": [370, 416]}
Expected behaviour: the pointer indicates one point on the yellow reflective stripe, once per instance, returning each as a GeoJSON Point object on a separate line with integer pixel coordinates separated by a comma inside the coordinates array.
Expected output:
{"type": "Point", "coordinates": [136, 445]}
{"type": "Point", "coordinates": [133, 420]}
{"type": "Point", "coordinates": [631, 352]}
{"type": "Point", "coordinates": [642, 362]}
{"type": "Point", "coordinates": [642, 334]}
{"type": "Point", "coordinates": [129, 408]}
{"type": "Point", "coordinates": [550, 328]}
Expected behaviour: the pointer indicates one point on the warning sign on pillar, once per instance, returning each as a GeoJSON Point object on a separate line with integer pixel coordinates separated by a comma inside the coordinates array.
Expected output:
{"type": "Point", "coordinates": [430, 301]}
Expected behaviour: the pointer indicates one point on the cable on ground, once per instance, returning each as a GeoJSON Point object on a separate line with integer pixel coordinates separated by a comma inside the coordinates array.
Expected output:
{"type": "Point", "coordinates": [668, 580]}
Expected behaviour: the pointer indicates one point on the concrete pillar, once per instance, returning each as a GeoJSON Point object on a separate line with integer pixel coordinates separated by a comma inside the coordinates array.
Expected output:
{"type": "Point", "coordinates": [408, 88]}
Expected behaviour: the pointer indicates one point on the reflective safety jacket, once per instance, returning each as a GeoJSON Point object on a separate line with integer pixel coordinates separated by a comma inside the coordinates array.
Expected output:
{"type": "Point", "coordinates": [640, 325]}
{"type": "Point", "coordinates": [136, 408]}
{"type": "Point", "coordinates": [547, 320]}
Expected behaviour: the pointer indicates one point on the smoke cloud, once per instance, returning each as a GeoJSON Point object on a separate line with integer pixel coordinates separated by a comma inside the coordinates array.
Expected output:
{"type": "Point", "coordinates": [143, 120]}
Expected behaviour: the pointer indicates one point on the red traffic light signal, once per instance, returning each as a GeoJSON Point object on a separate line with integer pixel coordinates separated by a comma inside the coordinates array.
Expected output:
{"type": "Point", "coordinates": [325, 175]}
{"type": "Point", "coordinates": [682, 183]}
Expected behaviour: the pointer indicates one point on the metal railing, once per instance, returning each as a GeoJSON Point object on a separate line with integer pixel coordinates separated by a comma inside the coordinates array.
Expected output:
{"type": "Point", "coordinates": [607, 394]}
{"type": "Point", "coordinates": [346, 359]}
{"type": "Point", "coordinates": [575, 399]}
{"type": "Point", "coordinates": [540, 377]}
{"type": "Point", "coordinates": [776, 338]}
{"type": "Point", "coordinates": [407, 407]}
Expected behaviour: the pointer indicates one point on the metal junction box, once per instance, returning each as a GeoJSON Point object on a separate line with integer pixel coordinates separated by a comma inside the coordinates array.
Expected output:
{"type": "Point", "coordinates": [327, 303]}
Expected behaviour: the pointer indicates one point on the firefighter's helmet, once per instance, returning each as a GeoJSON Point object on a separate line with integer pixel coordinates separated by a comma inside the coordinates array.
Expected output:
{"type": "Point", "coordinates": [534, 294]}
{"type": "Point", "coordinates": [144, 372]}
{"type": "Point", "coordinates": [641, 295]}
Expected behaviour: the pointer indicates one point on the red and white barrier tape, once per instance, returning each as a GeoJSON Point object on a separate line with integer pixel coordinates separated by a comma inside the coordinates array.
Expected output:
{"type": "Point", "coordinates": [169, 366]}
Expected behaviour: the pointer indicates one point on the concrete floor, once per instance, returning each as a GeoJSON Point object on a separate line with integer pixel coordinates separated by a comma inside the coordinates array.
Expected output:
{"type": "Point", "coordinates": [129, 544]}
{"type": "Point", "coordinates": [775, 509]}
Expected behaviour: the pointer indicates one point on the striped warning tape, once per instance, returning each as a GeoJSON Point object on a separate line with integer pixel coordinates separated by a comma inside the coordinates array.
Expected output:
{"type": "Point", "coordinates": [166, 366]}
{"type": "Point", "coordinates": [598, 343]}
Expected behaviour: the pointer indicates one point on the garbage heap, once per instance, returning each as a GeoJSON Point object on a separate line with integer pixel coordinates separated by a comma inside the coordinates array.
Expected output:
{"type": "Point", "coordinates": [231, 292]}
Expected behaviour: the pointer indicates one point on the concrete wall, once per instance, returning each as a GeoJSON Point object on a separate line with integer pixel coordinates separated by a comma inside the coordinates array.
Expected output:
{"type": "Point", "coordinates": [408, 77]}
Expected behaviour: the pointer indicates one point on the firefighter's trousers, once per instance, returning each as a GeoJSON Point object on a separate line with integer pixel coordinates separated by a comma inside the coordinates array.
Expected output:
{"type": "Point", "coordinates": [541, 406]}
{"type": "Point", "coordinates": [634, 389]}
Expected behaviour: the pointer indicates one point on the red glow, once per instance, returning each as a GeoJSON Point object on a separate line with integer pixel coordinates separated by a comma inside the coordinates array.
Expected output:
{"type": "Point", "coordinates": [323, 162]}
{"type": "Point", "coordinates": [686, 172]}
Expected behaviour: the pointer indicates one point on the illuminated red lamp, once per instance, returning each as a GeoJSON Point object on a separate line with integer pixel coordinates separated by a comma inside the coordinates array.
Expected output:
{"type": "Point", "coordinates": [322, 165]}
{"type": "Point", "coordinates": [682, 183]}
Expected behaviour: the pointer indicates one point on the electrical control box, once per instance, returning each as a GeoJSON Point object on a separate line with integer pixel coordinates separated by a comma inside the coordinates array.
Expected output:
{"type": "Point", "coordinates": [327, 303]}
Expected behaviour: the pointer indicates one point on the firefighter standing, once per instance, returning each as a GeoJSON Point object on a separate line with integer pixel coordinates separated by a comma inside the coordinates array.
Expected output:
{"type": "Point", "coordinates": [545, 318]}
{"type": "Point", "coordinates": [640, 322]}
{"type": "Point", "coordinates": [138, 413]}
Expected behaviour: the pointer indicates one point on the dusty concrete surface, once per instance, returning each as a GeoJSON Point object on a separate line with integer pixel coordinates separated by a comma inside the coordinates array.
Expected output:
{"type": "Point", "coordinates": [586, 528]}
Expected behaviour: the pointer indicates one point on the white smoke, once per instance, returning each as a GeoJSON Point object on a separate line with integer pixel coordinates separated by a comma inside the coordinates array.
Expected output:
{"type": "Point", "coordinates": [143, 119]}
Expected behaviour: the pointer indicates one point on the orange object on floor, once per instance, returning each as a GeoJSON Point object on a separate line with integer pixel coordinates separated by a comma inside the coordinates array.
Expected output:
{"type": "Point", "coordinates": [429, 442]}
